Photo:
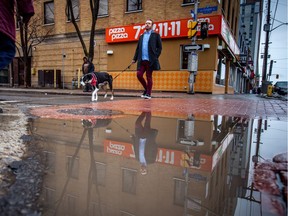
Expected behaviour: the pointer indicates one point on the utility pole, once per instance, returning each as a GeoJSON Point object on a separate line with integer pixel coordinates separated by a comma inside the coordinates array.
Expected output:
{"type": "Point", "coordinates": [193, 56]}
{"type": "Point", "coordinates": [267, 30]}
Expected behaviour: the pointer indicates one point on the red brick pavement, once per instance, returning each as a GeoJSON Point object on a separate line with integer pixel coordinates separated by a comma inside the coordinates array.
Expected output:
{"type": "Point", "coordinates": [241, 106]}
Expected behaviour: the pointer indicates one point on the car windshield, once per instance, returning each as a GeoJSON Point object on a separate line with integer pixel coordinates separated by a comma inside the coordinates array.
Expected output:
{"type": "Point", "coordinates": [281, 84]}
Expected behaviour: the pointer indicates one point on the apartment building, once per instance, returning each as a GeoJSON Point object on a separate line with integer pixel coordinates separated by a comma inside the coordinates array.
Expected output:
{"type": "Point", "coordinates": [56, 62]}
{"type": "Point", "coordinates": [249, 41]}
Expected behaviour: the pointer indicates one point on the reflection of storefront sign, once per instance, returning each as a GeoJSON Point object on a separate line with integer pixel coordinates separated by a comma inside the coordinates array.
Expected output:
{"type": "Point", "coordinates": [220, 151]}
{"type": "Point", "coordinates": [182, 159]}
{"type": "Point", "coordinates": [164, 156]}
{"type": "Point", "coordinates": [166, 29]}
{"type": "Point", "coordinates": [119, 148]}
{"type": "Point", "coordinates": [207, 10]}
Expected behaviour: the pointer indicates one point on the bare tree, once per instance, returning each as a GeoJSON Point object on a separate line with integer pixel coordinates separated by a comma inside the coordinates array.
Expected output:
{"type": "Point", "coordinates": [70, 12]}
{"type": "Point", "coordinates": [31, 34]}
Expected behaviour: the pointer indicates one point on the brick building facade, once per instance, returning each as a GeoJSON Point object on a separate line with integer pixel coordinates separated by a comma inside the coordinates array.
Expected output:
{"type": "Point", "coordinates": [57, 61]}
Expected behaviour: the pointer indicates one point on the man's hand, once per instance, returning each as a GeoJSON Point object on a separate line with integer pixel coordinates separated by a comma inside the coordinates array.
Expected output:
{"type": "Point", "coordinates": [133, 61]}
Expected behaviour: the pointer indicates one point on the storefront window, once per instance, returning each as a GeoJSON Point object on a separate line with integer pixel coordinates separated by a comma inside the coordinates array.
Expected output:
{"type": "Point", "coordinates": [183, 59]}
{"type": "Point", "coordinates": [220, 76]}
{"type": "Point", "coordinates": [179, 192]}
{"type": "Point", "coordinates": [232, 77]}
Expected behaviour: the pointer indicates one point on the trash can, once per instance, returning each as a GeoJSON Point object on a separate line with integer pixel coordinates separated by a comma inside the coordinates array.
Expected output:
{"type": "Point", "coordinates": [264, 89]}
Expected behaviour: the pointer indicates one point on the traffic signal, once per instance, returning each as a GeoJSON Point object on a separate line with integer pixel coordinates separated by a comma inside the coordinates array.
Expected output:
{"type": "Point", "coordinates": [204, 30]}
{"type": "Point", "coordinates": [192, 28]}
{"type": "Point", "coordinates": [277, 76]}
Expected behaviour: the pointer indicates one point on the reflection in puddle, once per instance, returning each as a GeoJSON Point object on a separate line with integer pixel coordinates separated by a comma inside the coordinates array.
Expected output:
{"type": "Point", "coordinates": [149, 165]}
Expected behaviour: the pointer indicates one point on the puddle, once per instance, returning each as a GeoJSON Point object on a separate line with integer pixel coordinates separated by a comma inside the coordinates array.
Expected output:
{"type": "Point", "coordinates": [154, 165]}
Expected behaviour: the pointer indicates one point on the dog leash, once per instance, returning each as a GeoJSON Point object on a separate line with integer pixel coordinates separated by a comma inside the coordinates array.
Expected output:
{"type": "Point", "coordinates": [122, 71]}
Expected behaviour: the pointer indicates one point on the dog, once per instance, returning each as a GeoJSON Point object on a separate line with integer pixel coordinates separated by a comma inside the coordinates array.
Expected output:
{"type": "Point", "coordinates": [96, 81]}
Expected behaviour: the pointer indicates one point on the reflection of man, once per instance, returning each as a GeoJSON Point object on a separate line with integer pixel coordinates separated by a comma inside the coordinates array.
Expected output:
{"type": "Point", "coordinates": [145, 146]}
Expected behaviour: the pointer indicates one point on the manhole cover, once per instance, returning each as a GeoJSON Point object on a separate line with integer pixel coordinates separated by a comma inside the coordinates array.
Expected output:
{"type": "Point", "coordinates": [90, 112]}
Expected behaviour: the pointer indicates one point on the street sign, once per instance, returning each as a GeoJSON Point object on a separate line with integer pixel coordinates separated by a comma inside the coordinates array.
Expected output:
{"type": "Point", "coordinates": [189, 48]}
{"type": "Point", "coordinates": [192, 14]}
{"type": "Point", "coordinates": [207, 10]}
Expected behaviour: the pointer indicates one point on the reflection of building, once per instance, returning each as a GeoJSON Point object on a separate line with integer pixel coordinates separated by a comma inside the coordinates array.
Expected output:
{"type": "Point", "coordinates": [94, 169]}
{"type": "Point", "coordinates": [119, 25]}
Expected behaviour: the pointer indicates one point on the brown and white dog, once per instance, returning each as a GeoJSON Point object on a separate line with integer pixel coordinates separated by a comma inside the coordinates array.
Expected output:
{"type": "Point", "coordinates": [96, 81]}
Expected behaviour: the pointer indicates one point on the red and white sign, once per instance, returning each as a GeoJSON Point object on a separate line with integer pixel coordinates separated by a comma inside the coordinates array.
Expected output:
{"type": "Point", "coordinates": [119, 148]}
{"type": "Point", "coordinates": [164, 156]}
{"type": "Point", "coordinates": [228, 38]}
{"type": "Point", "coordinates": [166, 29]}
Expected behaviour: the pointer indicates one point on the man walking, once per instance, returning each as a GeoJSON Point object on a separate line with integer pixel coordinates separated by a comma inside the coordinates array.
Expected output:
{"type": "Point", "coordinates": [148, 50]}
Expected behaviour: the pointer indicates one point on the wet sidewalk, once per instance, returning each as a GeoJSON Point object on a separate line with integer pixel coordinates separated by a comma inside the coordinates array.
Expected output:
{"type": "Point", "coordinates": [242, 105]}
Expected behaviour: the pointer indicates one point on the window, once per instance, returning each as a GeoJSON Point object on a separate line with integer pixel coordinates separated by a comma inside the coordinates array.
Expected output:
{"type": "Point", "coordinates": [188, 1]}
{"type": "Point", "coordinates": [252, 9]}
{"type": "Point", "coordinates": [48, 12]}
{"type": "Point", "coordinates": [228, 10]}
{"type": "Point", "coordinates": [97, 209]}
{"type": "Point", "coordinates": [183, 58]}
{"type": "Point", "coordinates": [50, 161]}
{"type": "Point", "coordinates": [99, 174]}
{"type": "Point", "coordinates": [179, 192]}
{"type": "Point", "coordinates": [243, 10]}
{"type": "Point", "coordinates": [134, 5]}
{"type": "Point", "coordinates": [223, 6]}
{"type": "Point", "coordinates": [71, 205]}
{"type": "Point", "coordinates": [220, 76]}
{"type": "Point", "coordinates": [129, 181]}
{"type": "Point", "coordinates": [72, 167]}
{"type": "Point", "coordinates": [75, 9]}
{"type": "Point", "coordinates": [49, 198]}
{"type": "Point", "coordinates": [103, 8]}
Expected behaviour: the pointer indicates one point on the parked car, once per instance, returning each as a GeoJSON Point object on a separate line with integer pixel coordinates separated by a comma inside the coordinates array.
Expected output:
{"type": "Point", "coordinates": [280, 87]}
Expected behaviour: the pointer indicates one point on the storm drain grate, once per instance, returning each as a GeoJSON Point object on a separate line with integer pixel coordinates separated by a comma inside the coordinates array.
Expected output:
{"type": "Point", "coordinates": [90, 112]}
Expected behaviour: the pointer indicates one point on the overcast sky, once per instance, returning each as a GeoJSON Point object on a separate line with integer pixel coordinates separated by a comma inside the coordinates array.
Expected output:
{"type": "Point", "coordinates": [278, 49]}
